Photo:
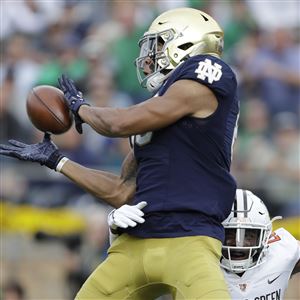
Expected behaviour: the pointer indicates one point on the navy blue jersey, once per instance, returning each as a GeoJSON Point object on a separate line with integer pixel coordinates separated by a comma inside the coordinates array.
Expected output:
{"type": "Point", "coordinates": [184, 169]}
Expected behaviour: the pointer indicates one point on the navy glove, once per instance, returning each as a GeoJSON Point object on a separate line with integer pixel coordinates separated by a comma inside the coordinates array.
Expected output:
{"type": "Point", "coordinates": [45, 152]}
{"type": "Point", "coordinates": [73, 98]}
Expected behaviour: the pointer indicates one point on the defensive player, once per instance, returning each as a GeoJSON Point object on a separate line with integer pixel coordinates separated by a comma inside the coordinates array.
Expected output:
{"type": "Point", "coordinates": [257, 263]}
{"type": "Point", "coordinates": [182, 144]}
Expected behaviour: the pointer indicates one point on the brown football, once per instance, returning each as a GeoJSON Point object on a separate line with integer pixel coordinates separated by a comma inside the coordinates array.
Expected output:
{"type": "Point", "coordinates": [47, 109]}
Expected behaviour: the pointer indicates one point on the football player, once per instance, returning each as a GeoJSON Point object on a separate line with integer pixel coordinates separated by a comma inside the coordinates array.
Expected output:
{"type": "Point", "coordinates": [182, 140]}
{"type": "Point", "coordinates": [257, 263]}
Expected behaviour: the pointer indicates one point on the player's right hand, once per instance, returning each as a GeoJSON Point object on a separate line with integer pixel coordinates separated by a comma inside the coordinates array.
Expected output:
{"type": "Point", "coordinates": [45, 152]}
{"type": "Point", "coordinates": [73, 98]}
{"type": "Point", "coordinates": [126, 216]}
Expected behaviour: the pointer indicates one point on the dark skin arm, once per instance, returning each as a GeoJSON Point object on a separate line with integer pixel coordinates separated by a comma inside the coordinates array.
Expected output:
{"type": "Point", "coordinates": [113, 189]}
{"type": "Point", "coordinates": [184, 97]}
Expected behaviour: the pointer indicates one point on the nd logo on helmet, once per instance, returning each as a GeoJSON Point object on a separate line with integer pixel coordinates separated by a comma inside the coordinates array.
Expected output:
{"type": "Point", "coordinates": [208, 70]}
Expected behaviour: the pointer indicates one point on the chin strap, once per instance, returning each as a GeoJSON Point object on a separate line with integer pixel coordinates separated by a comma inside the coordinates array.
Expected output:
{"type": "Point", "coordinates": [155, 82]}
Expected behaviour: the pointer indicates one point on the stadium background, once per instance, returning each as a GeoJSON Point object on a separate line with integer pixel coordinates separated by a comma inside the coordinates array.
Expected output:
{"type": "Point", "coordinates": [52, 233]}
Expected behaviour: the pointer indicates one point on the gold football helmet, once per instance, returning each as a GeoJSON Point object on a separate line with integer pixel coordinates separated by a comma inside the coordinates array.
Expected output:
{"type": "Point", "coordinates": [173, 37]}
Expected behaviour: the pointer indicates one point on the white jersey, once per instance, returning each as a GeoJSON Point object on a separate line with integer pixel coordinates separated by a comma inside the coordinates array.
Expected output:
{"type": "Point", "coordinates": [269, 280]}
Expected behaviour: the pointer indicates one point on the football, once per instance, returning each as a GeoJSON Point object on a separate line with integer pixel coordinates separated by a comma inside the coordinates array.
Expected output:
{"type": "Point", "coordinates": [47, 109]}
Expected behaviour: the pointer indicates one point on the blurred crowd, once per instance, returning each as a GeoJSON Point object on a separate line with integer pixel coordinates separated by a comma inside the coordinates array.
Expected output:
{"type": "Point", "coordinates": [95, 43]}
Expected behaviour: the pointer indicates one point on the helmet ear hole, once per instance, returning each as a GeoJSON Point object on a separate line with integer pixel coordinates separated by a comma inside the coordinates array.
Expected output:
{"type": "Point", "coordinates": [185, 46]}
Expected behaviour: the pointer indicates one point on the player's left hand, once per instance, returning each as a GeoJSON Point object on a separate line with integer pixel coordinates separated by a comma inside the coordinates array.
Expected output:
{"type": "Point", "coordinates": [74, 99]}
{"type": "Point", "coordinates": [127, 216]}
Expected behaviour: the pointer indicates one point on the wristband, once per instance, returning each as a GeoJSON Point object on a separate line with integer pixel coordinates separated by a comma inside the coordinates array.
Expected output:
{"type": "Point", "coordinates": [61, 163]}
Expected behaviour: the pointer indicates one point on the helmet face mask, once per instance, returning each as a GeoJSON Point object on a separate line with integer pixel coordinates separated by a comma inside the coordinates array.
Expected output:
{"type": "Point", "coordinates": [247, 231]}
{"type": "Point", "coordinates": [243, 236]}
{"type": "Point", "coordinates": [153, 47]}
{"type": "Point", "coordinates": [244, 246]}
{"type": "Point", "coordinates": [173, 37]}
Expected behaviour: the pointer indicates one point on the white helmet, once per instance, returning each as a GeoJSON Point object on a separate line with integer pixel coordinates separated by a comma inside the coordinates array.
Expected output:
{"type": "Point", "coordinates": [181, 33]}
{"type": "Point", "coordinates": [247, 231]}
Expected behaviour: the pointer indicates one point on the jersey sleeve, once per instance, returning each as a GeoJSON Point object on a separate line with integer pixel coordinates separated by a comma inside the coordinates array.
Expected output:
{"type": "Point", "coordinates": [291, 243]}
{"type": "Point", "coordinates": [210, 71]}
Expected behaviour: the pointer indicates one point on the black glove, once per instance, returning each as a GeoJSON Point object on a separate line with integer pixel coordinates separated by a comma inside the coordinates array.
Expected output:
{"type": "Point", "coordinates": [45, 152]}
{"type": "Point", "coordinates": [73, 98]}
